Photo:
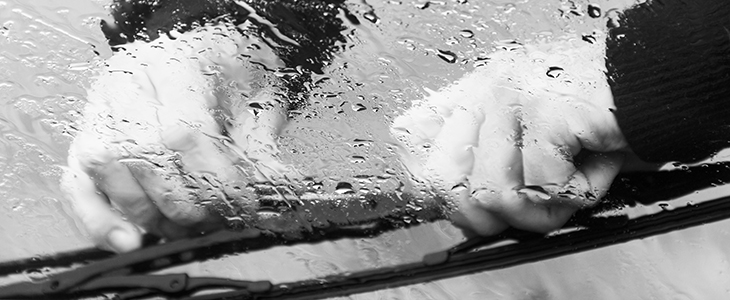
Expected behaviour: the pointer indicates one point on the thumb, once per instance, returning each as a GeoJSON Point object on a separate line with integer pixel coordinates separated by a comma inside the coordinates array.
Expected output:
{"type": "Point", "coordinates": [525, 210]}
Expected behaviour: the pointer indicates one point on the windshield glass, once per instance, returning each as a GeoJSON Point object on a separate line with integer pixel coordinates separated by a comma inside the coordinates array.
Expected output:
{"type": "Point", "coordinates": [389, 55]}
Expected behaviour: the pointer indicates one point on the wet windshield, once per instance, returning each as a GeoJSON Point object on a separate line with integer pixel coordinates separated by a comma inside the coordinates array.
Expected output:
{"type": "Point", "coordinates": [337, 147]}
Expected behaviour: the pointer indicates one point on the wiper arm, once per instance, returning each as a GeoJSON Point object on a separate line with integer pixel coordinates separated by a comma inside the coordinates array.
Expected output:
{"type": "Point", "coordinates": [336, 222]}
{"type": "Point", "coordinates": [75, 279]}
{"type": "Point", "coordinates": [469, 257]}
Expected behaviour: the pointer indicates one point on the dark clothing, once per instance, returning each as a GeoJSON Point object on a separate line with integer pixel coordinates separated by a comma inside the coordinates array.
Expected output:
{"type": "Point", "coordinates": [668, 66]}
{"type": "Point", "coordinates": [315, 26]}
{"type": "Point", "coordinates": [668, 61]}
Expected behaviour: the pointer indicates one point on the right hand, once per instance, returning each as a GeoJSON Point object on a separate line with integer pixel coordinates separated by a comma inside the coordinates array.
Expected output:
{"type": "Point", "coordinates": [502, 140]}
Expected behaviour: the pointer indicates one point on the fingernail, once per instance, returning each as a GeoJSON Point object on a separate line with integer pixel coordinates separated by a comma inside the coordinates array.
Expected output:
{"type": "Point", "coordinates": [121, 240]}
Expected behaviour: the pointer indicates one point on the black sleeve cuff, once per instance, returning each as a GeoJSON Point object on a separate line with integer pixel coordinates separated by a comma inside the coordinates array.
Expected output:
{"type": "Point", "coordinates": [668, 65]}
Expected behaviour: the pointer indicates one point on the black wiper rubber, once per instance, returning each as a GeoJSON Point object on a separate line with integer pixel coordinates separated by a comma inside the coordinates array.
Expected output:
{"type": "Point", "coordinates": [361, 218]}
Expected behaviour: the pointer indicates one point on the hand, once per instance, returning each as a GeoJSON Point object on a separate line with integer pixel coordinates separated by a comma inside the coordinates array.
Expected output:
{"type": "Point", "coordinates": [503, 140]}
{"type": "Point", "coordinates": [151, 147]}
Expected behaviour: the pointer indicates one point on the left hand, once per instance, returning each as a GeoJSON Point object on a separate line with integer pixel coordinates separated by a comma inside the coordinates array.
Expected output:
{"type": "Point", "coordinates": [151, 154]}
{"type": "Point", "coordinates": [502, 140]}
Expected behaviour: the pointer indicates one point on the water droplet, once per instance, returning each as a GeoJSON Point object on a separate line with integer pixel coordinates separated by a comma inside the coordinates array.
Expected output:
{"type": "Point", "coordinates": [466, 33]}
{"type": "Point", "coordinates": [508, 45]}
{"type": "Point", "coordinates": [594, 11]}
{"type": "Point", "coordinates": [234, 219]}
{"type": "Point", "coordinates": [459, 188]}
{"type": "Point", "coordinates": [370, 16]}
{"type": "Point", "coordinates": [451, 41]}
{"type": "Point", "coordinates": [589, 38]}
{"type": "Point", "coordinates": [536, 192]}
{"type": "Point", "coordinates": [268, 212]}
{"type": "Point", "coordinates": [554, 72]}
{"type": "Point", "coordinates": [79, 66]}
{"type": "Point", "coordinates": [613, 16]}
{"type": "Point", "coordinates": [36, 275]}
{"type": "Point", "coordinates": [358, 107]}
{"type": "Point", "coordinates": [317, 185]}
{"type": "Point", "coordinates": [344, 188]}
{"type": "Point", "coordinates": [447, 56]}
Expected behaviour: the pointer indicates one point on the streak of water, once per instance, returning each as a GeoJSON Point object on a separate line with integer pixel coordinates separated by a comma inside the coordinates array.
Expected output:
{"type": "Point", "coordinates": [49, 50]}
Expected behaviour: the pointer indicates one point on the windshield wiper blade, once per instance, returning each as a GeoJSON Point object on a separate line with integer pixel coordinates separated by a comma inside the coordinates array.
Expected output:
{"type": "Point", "coordinates": [471, 256]}
{"type": "Point", "coordinates": [364, 217]}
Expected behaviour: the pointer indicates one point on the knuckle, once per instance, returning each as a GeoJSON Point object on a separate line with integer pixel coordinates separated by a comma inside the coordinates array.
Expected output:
{"type": "Point", "coordinates": [182, 208]}
{"type": "Point", "coordinates": [89, 154]}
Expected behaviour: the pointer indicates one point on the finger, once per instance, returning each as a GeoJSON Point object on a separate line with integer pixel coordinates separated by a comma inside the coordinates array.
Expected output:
{"type": "Point", "coordinates": [588, 184]}
{"type": "Point", "coordinates": [442, 114]}
{"type": "Point", "coordinates": [200, 153]}
{"type": "Point", "coordinates": [414, 132]}
{"type": "Point", "coordinates": [122, 189]}
{"type": "Point", "coordinates": [544, 162]}
{"type": "Point", "coordinates": [452, 156]}
{"type": "Point", "coordinates": [116, 182]}
{"type": "Point", "coordinates": [473, 218]}
{"type": "Point", "coordinates": [107, 229]}
{"type": "Point", "coordinates": [518, 211]}
{"type": "Point", "coordinates": [535, 212]}
{"type": "Point", "coordinates": [599, 171]}
{"type": "Point", "coordinates": [499, 153]}
{"type": "Point", "coordinates": [507, 169]}
{"type": "Point", "coordinates": [255, 132]}
{"type": "Point", "coordinates": [418, 125]}
{"type": "Point", "coordinates": [172, 195]}
{"type": "Point", "coordinates": [500, 167]}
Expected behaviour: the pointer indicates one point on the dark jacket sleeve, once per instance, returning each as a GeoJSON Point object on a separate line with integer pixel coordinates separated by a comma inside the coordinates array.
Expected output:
{"type": "Point", "coordinates": [668, 64]}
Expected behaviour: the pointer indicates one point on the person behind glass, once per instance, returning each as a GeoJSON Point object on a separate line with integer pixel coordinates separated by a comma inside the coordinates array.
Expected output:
{"type": "Point", "coordinates": [523, 141]}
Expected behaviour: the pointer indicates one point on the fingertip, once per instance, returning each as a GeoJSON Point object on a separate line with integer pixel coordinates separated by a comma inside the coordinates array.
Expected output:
{"type": "Point", "coordinates": [600, 169]}
{"type": "Point", "coordinates": [478, 223]}
{"type": "Point", "coordinates": [474, 219]}
{"type": "Point", "coordinates": [518, 210]}
{"type": "Point", "coordinates": [91, 208]}
{"type": "Point", "coordinates": [122, 240]}
{"type": "Point", "coordinates": [170, 196]}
